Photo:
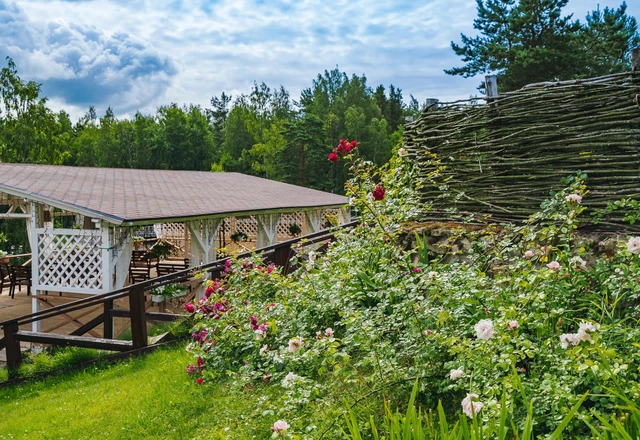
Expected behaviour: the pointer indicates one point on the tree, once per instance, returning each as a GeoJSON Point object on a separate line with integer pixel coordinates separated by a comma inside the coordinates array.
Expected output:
{"type": "Point", "coordinates": [608, 38]}
{"type": "Point", "coordinates": [29, 131]}
{"type": "Point", "coordinates": [526, 41]}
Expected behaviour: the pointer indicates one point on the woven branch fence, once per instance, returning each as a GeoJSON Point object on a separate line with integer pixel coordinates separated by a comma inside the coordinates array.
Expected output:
{"type": "Point", "coordinates": [504, 156]}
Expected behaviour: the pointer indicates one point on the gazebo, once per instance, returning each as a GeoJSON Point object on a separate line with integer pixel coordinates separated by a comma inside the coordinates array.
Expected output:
{"type": "Point", "coordinates": [109, 205]}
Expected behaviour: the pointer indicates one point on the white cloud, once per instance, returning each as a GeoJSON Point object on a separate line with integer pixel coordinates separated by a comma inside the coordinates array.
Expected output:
{"type": "Point", "coordinates": [81, 64]}
{"type": "Point", "coordinates": [145, 53]}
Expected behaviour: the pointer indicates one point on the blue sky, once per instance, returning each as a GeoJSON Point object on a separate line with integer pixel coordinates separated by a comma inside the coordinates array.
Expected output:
{"type": "Point", "coordinates": [139, 54]}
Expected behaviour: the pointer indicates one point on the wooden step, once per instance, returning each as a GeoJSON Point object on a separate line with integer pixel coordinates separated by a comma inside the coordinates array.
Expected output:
{"type": "Point", "coordinates": [76, 341]}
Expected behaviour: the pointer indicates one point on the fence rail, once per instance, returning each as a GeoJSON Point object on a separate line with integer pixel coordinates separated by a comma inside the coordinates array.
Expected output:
{"type": "Point", "coordinates": [279, 254]}
{"type": "Point", "coordinates": [502, 157]}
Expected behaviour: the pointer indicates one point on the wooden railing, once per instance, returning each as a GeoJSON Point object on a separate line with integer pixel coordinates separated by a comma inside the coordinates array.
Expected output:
{"type": "Point", "coordinates": [279, 254]}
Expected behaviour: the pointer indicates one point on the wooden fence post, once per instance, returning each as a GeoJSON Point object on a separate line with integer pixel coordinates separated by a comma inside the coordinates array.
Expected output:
{"type": "Point", "coordinates": [12, 346]}
{"type": "Point", "coordinates": [635, 59]}
{"type": "Point", "coordinates": [138, 318]}
{"type": "Point", "coordinates": [108, 320]}
{"type": "Point", "coordinates": [281, 258]}
{"type": "Point", "coordinates": [491, 86]}
{"type": "Point", "coordinates": [431, 104]}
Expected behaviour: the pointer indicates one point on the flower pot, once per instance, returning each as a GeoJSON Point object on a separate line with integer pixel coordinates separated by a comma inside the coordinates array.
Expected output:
{"type": "Point", "coordinates": [157, 298]}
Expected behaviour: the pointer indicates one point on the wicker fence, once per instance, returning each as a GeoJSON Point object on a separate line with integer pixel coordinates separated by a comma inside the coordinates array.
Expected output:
{"type": "Point", "coordinates": [503, 156]}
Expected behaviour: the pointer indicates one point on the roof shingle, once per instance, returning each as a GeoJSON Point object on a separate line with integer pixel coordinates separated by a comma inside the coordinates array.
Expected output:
{"type": "Point", "coordinates": [132, 195]}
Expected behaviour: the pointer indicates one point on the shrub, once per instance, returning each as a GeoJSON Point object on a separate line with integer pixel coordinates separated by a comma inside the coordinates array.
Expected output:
{"type": "Point", "coordinates": [526, 298]}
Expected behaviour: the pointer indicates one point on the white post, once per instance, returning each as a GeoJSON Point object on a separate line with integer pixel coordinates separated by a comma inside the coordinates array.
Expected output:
{"type": "Point", "coordinates": [122, 256]}
{"type": "Point", "coordinates": [313, 221]}
{"type": "Point", "coordinates": [105, 248]}
{"type": "Point", "coordinates": [344, 215]}
{"type": "Point", "coordinates": [204, 234]}
{"type": "Point", "coordinates": [32, 225]}
{"type": "Point", "coordinates": [267, 229]}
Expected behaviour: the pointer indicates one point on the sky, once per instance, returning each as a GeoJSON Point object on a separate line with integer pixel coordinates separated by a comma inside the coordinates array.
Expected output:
{"type": "Point", "coordinates": [135, 55]}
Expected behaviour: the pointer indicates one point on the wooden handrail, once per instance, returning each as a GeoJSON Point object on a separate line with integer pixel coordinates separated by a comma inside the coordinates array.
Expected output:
{"type": "Point", "coordinates": [279, 254]}
{"type": "Point", "coordinates": [182, 275]}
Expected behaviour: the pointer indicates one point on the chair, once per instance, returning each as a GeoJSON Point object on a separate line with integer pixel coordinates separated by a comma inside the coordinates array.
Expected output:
{"type": "Point", "coordinates": [140, 267]}
{"type": "Point", "coordinates": [166, 268]}
{"type": "Point", "coordinates": [5, 275]}
{"type": "Point", "coordinates": [20, 276]}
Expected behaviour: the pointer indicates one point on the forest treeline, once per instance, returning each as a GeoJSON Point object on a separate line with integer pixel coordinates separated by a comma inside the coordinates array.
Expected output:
{"type": "Point", "coordinates": [264, 133]}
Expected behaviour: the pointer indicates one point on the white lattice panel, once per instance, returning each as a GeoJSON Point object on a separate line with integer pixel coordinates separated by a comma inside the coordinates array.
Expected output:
{"type": "Point", "coordinates": [286, 220]}
{"type": "Point", "coordinates": [69, 260]}
{"type": "Point", "coordinates": [170, 231]}
{"type": "Point", "coordinates": [248, 225]}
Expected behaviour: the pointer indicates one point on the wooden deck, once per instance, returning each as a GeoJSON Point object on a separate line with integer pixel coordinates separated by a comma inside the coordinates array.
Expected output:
{"type": "Point", "coordinates": [20, 305]}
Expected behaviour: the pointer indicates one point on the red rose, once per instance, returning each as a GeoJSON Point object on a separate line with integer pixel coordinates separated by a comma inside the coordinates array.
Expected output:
{"type": "Point", "coordinates": [353, 144]}
{"type": "Point", "coordinates": [199, 381]}
{"type": "Point", "coordinates": [189, 307]}
{"type": "Point", "coordinates": [333, 157]}
{"type": "Point", "coordinates": [378, 193]}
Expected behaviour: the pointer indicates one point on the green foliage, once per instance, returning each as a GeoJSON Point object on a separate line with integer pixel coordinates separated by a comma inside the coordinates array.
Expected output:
{"type": "Point", "coordinates": [170, 291]}
{"type": "Point", "coordinates": [366, 317]}
{"type": "Point", "coordinates": [161, 250]}
{"type": "Point", "coordinates": [415, 425]}
{"type": "Point", "coordinates": [527, 41]}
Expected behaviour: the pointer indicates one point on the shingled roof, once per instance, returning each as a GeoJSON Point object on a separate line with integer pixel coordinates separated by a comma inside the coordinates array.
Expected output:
{"type": "Point", "coordinates": [142, 196]}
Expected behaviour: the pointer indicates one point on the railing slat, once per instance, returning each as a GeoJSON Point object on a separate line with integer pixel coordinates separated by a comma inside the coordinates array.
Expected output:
{"type": "Point", "coordinates": [107, 325]}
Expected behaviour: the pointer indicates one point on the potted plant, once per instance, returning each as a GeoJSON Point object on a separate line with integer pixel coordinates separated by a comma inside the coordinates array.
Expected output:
{"type": "Point", "coordinates": [167, 292]}
{"type": "Point", "coordinates": [239, 236]}
{"type": "Point", "coordinates": [161, 250]}
{"type": "Point", "coordinates": [294, 229]}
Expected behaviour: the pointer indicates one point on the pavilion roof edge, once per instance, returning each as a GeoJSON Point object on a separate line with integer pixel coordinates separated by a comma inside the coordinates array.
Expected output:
{"type": "Point", "coordinates": [60, 204]}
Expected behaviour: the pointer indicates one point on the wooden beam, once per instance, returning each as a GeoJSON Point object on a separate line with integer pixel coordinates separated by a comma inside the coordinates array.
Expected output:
{"type": "Point", "coordinates": [151, 316]}
{"type": "Point", "coordinates": [89, 326]}
{"type": "Point", "coordinates": [13, 215]}
{"type": "Point", "coordinates": [76, 341]}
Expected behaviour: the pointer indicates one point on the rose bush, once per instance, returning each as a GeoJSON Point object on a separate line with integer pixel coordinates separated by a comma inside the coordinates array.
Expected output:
{"type": "Point", "coordinates": [527, 305]}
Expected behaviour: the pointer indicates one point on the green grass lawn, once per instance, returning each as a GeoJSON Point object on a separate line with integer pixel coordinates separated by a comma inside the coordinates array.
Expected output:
{"type": "Point", "coordinates": [146, 397]}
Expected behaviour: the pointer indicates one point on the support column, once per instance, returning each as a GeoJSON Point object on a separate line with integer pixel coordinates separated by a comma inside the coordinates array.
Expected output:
{"type": "Point", "coordinates": [267, 229]}
{"type": "Point", "coordinates": [344, 215]}
{"type": "Point", "coordinates": [122, 248]}
{"type": "Point", "coordinates": [313, 221]}
{"type": "Point", "coordinates": [32, 225]}
{"type": "Point", "coordinates": [204, 234]}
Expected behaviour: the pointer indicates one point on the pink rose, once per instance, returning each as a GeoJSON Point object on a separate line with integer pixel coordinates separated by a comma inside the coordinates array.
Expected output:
{"type": "Point", "coordinates": [554, 265]}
